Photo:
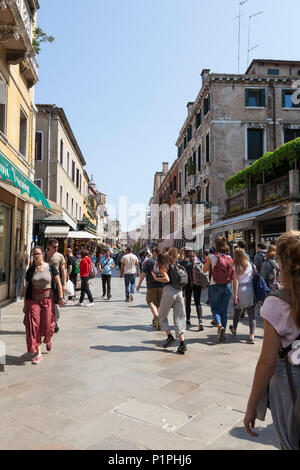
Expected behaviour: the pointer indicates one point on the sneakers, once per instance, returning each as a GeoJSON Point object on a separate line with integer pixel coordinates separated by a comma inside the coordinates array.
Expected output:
{"type": "Point", "coordinates": [127, 300]}
{"type": "Point", "coordinates": [250, 340]}
{"type": "Point", "coordinates": [131, 297]}
{"type": "Point", "coordinates": [56, 329]}
{"type": "Point", "coordinates": [201, 328]}
{"type": "Point", "coordinates": [49, 346]}
{"type": "Point", "coordinates": [188, 323]}
{"type": "Point", "coordinates": [169, 341]}
{"type": "Point", "coordinates": [155, 323]}
{"type": "Point", "coordinates": [79, 304]}
{"type": "Point", "coordinates": [109, 297]}
{"type": "Point", "coordinates": [90, 304]}
{"type": "Point", "coordinates": [103, 296]}
{"type": "Point", "coordinates": [37, 360]}
{"type": "Point", "coordinates": [181, 349]}
{"type": "Point", "coordinates": [221, 334]}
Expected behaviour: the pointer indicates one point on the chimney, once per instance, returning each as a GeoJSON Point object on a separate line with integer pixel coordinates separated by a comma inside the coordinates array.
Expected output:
{"type": "Point", "coordinates": [204, 75]}
{"type": "Point", "coordinates": [189, 106]}
{"type": "Point", "coordinates": [165, 167]}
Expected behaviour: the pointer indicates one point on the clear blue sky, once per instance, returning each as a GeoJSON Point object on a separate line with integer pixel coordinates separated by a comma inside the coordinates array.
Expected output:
{"type": "Point", "coordinates": [124, 70]}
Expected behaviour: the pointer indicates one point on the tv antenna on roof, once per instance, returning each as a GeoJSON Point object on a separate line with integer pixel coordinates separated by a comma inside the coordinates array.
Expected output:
{"type": "Point", "coordinates": [241, 3]}
{"type": "Point", "coordinates": [249, 50]}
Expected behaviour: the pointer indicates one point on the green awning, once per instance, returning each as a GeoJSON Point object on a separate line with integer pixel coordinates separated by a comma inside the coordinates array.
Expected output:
{"type": "Point", "coordinates": [8, 171]}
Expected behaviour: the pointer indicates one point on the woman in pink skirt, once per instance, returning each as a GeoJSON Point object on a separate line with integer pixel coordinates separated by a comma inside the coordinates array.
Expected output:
{"type": "Point", "coordinates": [42, 284]}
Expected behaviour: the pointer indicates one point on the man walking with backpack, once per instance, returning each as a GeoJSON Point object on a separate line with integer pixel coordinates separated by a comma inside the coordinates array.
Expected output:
{"type": "Point", "coordinates": [220, 264]}
{"type": "Point", "coordinates": [105, 266]}
{"type": "Point", "coordinates": [260, 256]}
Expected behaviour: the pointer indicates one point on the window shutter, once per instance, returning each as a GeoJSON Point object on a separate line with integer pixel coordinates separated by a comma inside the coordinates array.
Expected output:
{"type": "Point", "coordinates": [263, 97]}
{"type": "Point", "coordinates": [247, 96]}
{"type": "Point", "coordinates": [283, 98]}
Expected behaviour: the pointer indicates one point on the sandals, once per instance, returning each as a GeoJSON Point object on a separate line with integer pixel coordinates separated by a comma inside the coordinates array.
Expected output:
{"type": "Point", "coordinates": [232, 330]}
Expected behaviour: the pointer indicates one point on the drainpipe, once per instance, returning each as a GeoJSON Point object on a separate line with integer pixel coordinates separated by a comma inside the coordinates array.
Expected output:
{"type": "Point", "coordinates": [274, 117]}
{"type": "Point", "coordinates": [49, 145]}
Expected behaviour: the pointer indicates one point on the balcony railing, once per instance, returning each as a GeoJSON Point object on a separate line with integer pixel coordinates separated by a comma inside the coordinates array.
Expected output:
{"type": "Point", "coordinates": [26, 16]}
{"type": "Point", "coordinates": [273, 191]}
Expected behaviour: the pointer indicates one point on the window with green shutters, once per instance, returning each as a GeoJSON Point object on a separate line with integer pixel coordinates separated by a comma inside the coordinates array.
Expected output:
{"type": "Point", "coordinates": [255, 143]}
{"type": "Point", "coordinates": [287, 99]}
{"type": "Point", "coordinates": [255, 98]}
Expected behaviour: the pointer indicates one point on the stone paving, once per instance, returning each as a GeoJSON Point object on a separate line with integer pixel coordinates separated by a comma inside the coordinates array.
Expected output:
{"type": "Point", "coordinates": [108, 384]}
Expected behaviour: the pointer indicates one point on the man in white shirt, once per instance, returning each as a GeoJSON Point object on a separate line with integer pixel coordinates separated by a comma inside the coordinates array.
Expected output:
{"type": "Point", "coordinates": [130, 268]}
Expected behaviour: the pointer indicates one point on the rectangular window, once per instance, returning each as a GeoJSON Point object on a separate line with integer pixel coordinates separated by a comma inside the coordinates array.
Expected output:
{"type": "Point", "coordinates": [189, 133]}
{"type": "Point", "coordinates": [207, 193]}
{"type": "Point", "coordinates": [207, 148]}
{"type": "Point", "coordinates": [68, 163]}
{"type": "Point", "coordinates": [255, 143]}
{"type": "Point", "coordinates": [76, 210]}
{"type": "Point", "coordinates": [185, 174]}
{"type": "Point", "coordinates": [38, 146]}
{"type": "Point", "coordinates": [39, 183]}
{"type": "Point", "coordinates": [179, 182]}
{"type": "Point", "coordinates": [198, 119]}
{"type": "Point", "coordinates": [288, 98]}
{"type": "Point", "coordinates": [73, 171]}
{"type": "Point", "coordinates": [61, 152]}
{"type": "Point", "coordinates": [72, 206]}
{"type": "Point", "coordinates": [206, 106]}
{"type": "Point", "coordinates": [61, 195]}
{"type": "Point", "coordinates": [199, 158]}
{"type": "Point", "coordinates": [273, 71]}
{"type": "Point", "coordinates": [3, 104]}
{"type": "Point", "coordinates": [174, 183]}
{"type": "Point", "coordinates": [184, 142]}
{"type": "Point", "coordinates": [255, 98]}
{"type": "Point", "coordinates": [67, 201]}
{"type": "Point", "coordinates": [291, 134]}
{"type": "Point", "coordinates": [23, 134]}
{"type": "Point", "coordinates": [80, 182]}
{"type": "Point", "coordinates": [77, 178]}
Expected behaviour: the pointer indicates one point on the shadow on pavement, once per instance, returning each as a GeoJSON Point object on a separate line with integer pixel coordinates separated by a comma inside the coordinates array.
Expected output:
{"type": "Point", "coordinates": [267, 435]}
{"type": "Point", "coordinates": [12, 332]}
{"type": "Point", "coordinates": [119, 348]}
{"type": "Point", "coordinates": [18, 360]}
{"type": "Point", "coordinates": [126, 328]}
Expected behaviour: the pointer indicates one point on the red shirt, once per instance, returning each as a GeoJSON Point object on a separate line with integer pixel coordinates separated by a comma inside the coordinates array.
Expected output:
{"type": "Point", "coordinates": [84, 266]}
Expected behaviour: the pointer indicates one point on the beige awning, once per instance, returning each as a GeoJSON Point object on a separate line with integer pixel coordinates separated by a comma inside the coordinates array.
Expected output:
{"type": "Point", "coordinates": [83, 235]}
{"type": "Point", "coordinates": [56, 231]}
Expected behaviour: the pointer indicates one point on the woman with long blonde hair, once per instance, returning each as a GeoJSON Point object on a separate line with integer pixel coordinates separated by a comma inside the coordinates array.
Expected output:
{"type": "Point", "coordinates": [278, 365]}
{"type": "Point", "coordinates": [243, 292]}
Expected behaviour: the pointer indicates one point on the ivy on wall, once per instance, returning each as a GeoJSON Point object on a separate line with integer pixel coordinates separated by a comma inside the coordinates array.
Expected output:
{"type": "Point", "coordinates": [267, 164]}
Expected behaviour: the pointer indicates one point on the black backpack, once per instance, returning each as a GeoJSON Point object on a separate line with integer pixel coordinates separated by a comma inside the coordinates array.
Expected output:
{"type": "Point", "coordinates": [178, 276]}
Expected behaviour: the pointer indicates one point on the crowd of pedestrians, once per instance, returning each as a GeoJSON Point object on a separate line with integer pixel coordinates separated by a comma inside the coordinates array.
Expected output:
{"type": "Point", "coordinates": [271, 280]}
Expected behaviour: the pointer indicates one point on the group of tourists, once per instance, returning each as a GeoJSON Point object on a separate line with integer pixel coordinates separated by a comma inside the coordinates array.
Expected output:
{"type": "Point", "coordinates": [269, 284]}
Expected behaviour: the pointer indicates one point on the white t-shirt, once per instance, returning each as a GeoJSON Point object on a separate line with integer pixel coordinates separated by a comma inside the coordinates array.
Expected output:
{"type": "Point", "coordinates": [277, 312]}
{"type": "Point", "coordinates": [245, 278]}
{"type": "Point", "coordinates": [129, 261]}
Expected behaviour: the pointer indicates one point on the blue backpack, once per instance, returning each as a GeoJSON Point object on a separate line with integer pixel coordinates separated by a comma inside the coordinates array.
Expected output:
{"type": "Point", "coordinates": [261, 290]}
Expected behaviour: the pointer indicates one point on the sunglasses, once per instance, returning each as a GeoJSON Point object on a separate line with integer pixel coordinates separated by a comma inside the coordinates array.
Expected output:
{"type": "Point", "coordinates": [55, 247]}
{"type": "Point", "coordinates": [37, 254]}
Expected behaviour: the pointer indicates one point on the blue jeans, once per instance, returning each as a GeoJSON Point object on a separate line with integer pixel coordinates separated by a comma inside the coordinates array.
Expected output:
{"type": "Point", "coordinates": [129, 279]}
{"type": "Point", "coordinates": [219, 296]}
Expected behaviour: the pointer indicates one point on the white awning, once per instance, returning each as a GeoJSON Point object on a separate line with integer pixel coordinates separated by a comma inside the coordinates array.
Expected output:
{"type": "Point", "coordinates": [56, 231]}
{"type": "Point", "coordinates": [243, 221]}
{"type": "Point", "coordinates": [83, 235]}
